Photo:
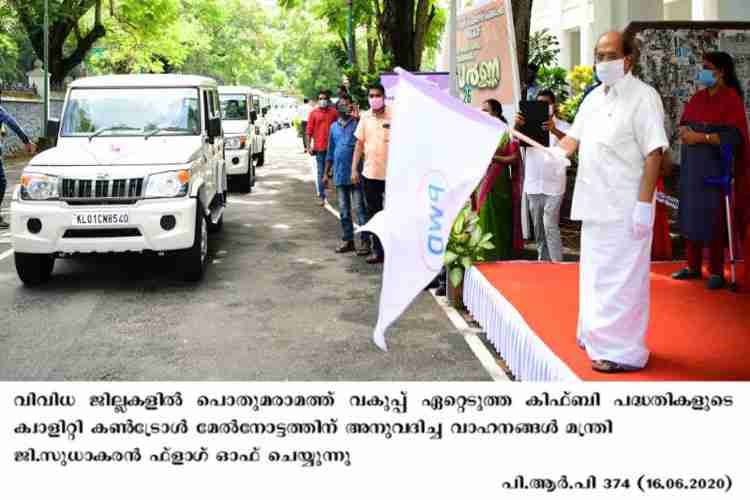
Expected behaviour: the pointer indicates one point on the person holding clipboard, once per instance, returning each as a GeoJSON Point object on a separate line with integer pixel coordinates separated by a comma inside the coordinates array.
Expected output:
{"type": "Point", "coordinates": [545, 179]}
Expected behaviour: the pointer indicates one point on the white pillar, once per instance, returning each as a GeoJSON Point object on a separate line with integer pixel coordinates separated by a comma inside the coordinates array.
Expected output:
{"type": "Point", "coordinates": [705, 10]}
{"type": "Point", "coordinates": [587, 44]}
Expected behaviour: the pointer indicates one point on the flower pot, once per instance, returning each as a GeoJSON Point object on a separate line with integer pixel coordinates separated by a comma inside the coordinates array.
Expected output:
{"type": "Point", "coordinates": [456, 295]}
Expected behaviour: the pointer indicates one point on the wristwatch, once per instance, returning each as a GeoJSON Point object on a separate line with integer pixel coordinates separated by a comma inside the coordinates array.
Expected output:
{"type": "Point", "coordinates": [708, 139]}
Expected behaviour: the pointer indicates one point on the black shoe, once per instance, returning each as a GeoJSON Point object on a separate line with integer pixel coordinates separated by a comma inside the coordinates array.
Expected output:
{"type": "Point", "coordinates": [686, 274]}
{"type": "Point", "coordinates": [347, 246]}
{"type": "Point", "coordinates": [435, 283]}
{"type": "Point", "coordinates": [715, 282]}
{"type": "Point", "coordinates": [441, 291]}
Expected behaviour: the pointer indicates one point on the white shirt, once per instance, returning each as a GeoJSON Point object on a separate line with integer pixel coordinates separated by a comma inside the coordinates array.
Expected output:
{"type": "Point", "coordinates": [303, 112]}
{"type": "Point", "coordinates": [615, 131]}
{"type": "Point", "coordinates": [541, 175]}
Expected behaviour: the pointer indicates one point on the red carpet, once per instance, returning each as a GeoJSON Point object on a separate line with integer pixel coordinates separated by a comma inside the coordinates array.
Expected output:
{"type": "Point", "coordinates": [694, 334]}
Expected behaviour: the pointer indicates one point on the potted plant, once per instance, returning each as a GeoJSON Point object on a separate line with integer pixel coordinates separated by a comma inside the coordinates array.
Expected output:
{"type": "Point", "coordinates": [466, 246]}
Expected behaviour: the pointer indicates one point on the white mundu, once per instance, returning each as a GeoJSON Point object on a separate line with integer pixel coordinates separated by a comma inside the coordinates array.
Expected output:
{"type": "Point", "coordinates": [616, 131]}
{"type": "Point", "coordinates": [541, 175]}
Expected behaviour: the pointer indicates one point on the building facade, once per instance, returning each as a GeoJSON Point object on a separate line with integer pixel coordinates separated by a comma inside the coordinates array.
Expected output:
{"type": "Point", "coordinates": [578, 23]}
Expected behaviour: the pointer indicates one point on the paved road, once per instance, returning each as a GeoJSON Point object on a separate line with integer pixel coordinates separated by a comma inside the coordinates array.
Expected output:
{"type": "Point", "coordinates": [276, 304]}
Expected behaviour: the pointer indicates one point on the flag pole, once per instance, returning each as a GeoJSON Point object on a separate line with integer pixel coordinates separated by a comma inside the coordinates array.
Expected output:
{"type": "Point", "coordinates": [46, 68]}
{"type": "Point", "coordinates": [452, 48]}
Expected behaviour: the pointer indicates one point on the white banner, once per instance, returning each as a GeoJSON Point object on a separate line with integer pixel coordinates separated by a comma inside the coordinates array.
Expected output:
{"type": "Point", "coordinates": [439, 151]}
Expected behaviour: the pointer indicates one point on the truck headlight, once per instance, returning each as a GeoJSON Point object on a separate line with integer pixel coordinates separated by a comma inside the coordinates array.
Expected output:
{"type": "Point", "coordinates": [168, 184]}
{"type": "Point", "coordinates": [40, 187]}
{"type": "Point", "coordinates": [235, 142]}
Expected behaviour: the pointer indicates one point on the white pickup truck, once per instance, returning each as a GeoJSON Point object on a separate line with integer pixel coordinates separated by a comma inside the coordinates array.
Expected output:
{"type": "Point", "coordinates": [138, 167]}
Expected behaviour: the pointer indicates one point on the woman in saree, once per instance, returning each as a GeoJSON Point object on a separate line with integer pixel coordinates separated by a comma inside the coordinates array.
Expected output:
{"type": "Point", "coordinates": [495, 202]}
{"type": "Point", "coordinates": [714, 117]}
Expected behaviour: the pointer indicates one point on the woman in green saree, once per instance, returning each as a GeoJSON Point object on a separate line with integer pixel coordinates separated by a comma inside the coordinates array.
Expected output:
{"type": "Point", "coordinates": [495, 199]}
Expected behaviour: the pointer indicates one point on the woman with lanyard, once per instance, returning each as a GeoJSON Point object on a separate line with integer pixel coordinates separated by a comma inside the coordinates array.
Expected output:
{"type": "Point", "coordinates": [714, 117]}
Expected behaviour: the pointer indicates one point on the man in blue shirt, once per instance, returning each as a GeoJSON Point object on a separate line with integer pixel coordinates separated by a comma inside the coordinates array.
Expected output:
{"type": "Point", "coordinates": [341, 143]}
{"type": "Point", "coordinates": [6, 119]}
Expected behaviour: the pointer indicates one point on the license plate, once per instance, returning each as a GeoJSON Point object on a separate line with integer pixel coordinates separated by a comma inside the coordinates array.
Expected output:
{"type": "Point", "coordinates": [101, 219]}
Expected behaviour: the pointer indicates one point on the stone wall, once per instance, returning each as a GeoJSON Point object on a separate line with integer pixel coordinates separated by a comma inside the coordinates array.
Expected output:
{"type": "Point", "coordinates": [28, 113]}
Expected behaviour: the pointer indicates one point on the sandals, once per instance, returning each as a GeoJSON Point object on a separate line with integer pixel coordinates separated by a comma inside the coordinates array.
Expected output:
{"type": "Point", "coordinates": [686, 274]}
{"type": "Point", "coordinates": [605, 366]}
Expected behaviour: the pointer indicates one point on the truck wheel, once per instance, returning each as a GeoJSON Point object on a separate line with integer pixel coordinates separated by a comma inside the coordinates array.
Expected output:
{"type": "Point", "coordinates": [245, 181]}
{"type": "Point", "coordinates": [192, 263]}
{"type": "Point", "coordinates": [215, 228]}
{"type": "Point", "coordinates": [261, 158]}
{"type": "Point", "coordinates": [34, 268]}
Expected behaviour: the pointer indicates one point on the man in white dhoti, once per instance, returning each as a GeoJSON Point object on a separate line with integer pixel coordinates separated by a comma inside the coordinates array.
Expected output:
{"type": "Point", "coordinates": [619, 133]}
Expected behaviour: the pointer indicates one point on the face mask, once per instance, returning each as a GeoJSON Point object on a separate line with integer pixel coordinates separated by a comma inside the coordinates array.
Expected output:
{"type": "Point", "coordinates": [610, 72]}
{"type": "Point", "coordinates": [343, 113]}
{"type": "Point", "coordinates": [377, 103]}
{"type": "Point", "coordinates": [706, 77]}
{"type": "Point", "coordinates": [323, 103]}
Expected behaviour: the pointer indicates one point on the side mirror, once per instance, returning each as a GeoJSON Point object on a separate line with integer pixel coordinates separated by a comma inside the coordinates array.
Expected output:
{"type": "Point", "coordinates": [53, 129]}
{"type": "Point", "coordinates": [214, 128]}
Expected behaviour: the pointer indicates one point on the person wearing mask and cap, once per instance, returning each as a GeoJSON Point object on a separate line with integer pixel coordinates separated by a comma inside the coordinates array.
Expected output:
{"type": "Point", "coordinates": [339, 167]}
{"type": "Point", "coordinates": [318, 130]}
{"type": "Point", "coordinates": [619, 134]}
{"type": "Point", "coordinates": [7, 119]}
{"type": "Point", "coordinates": [373, 133]}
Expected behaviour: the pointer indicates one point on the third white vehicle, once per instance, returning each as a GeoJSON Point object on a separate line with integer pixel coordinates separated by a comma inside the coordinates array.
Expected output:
{"type": "Point", "coordinates": [244, 141]}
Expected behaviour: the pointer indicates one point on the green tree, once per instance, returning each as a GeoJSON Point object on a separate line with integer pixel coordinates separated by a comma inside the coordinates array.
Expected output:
{"type": "Point", "coordinates": [403, 29]}
{"type": "Point", "coordinates": [142, 37]}
{"type": "Point", "coordinates": [68, 43]}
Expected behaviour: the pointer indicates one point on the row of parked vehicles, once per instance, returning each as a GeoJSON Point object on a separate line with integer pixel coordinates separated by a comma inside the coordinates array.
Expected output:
{"type": "Point", "coordinates": [142, 163]}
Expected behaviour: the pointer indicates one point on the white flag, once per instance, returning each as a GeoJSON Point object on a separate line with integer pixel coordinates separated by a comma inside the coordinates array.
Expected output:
{"type": "Point", "coordinates": [439, 151]}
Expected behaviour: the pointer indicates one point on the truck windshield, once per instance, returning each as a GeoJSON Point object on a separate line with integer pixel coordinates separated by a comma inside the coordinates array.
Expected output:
{"type": "Point", "coordinates": [233, 107]}
{"type": "Point", "coordinates": [131, 112]}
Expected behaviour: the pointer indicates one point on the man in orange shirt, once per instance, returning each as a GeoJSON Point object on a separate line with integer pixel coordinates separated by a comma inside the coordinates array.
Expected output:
{"type": "Point", "coordinates": [318, 129]}
{"type": "Point", "coordinates": [372, 135]}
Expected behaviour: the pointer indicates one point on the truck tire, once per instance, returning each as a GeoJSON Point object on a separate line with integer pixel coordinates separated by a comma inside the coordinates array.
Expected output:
{"type": "Point", "coordinates": [192, 262]}
{"type": "Point", "coordinates": [215, 228]}
{"type": "Point", "coordinates": [244, 181]}
{"type": "Point", "coordinates": [34, 268]}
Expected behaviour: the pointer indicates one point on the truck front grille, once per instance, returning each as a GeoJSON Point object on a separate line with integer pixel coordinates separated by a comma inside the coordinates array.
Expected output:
{"type": "Point", "coordinates": [84, 191]}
